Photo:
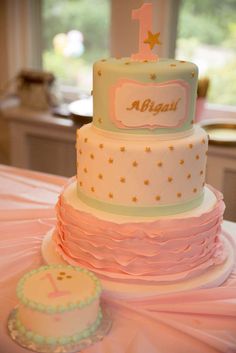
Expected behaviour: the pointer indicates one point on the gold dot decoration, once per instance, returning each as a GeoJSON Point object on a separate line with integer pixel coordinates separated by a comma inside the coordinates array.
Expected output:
{"type": "Point", "coordinates": [148, 149]}
{"type": "Point", "coordinates": [103, 60]}
{"type": "Point", "coordinates": [85, 170]}
{"type": "Point", "coordinates": [134, 199]}
{"type": "Point", "coordinates": [86, 140]}
{"type": "Point", "coordinates": [92, 189]}
{"type": "Point", "coordinates": [189, 176]}
{"type": "Point", "coordinates": [101, 146]}
{"type": "Point", "coordinates": [171, 148]}
{"type": "Point", "coordinates": [194, 190]}
{"type": "Point", "coordinates": [68, 276]}
{"type": "Point", "coordinates": [110, 195]}
{"type": "Point", "coordinates": [135, 164]}
{"type": "Point", "coordinates": [122, 180]}
{"type": "Point", "coordinates": [203, 141]}
{"type": "Point", "coordinates": [182, 61]}
{"type": "Point", "coordinates": [173, 65]}
{"type": "Point", "coordinates": [122, 149]}
{"type": "Point", "coordinates": [160, 164]}
{"type": "Point", "coordinates": [190, 145]}
{"type": "Point", "coordinates": [192, 73]}
{"type": "Point", "coordinates": [153, 76]}
{"type": "Point", "coordinates": [92, 156]}
{"type": "Point", "coordinates": [62, 273]}
{"type": "Point", "coordinates": [179, 194]}
{"type": "Point", "coordinates": [158, 197]}
{"type": "Point", "coordinates": [146, 182]}
{"type": "Point", "coordinates": [99, 120]}
{"type": "Point", "coordinates": [170, 179]}
{"type": "Point", "coordinates": [192, 122]}
{"type": "Point", "coordinates": [181, 162]}
{"type": "Point", "coordinates": [80, 151]}
{"type": "Point", "coordinates": [110, 160]}
{"type": "Point", "coordinates": [201, 172]}
{"type": "Point", "coordinates": [145, 61]}
{"type": "Point", "coordinates": [80, 183]}
{"type": "Point", "coordinates": [59, 278]}
{"type": "Point", "coordinates": [99, 73]}
{"type": "Point", "coordinates": [100, 176]}
{"type": "Point", "coordinates": [197, 157]}
{"type": "Point", "coordinates": [127, 63]}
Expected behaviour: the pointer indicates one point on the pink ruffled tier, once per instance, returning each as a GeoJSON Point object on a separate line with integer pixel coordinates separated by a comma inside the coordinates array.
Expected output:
{"type": "Point", "coordinates": [162, 250]}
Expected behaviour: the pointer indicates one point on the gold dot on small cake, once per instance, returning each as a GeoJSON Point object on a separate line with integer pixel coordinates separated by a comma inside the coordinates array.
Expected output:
{"type": "Point", "coordinates": [158, 197]}
{"type": "Point", "coordinates": [173, 65]}
{"type": "Point", "coordinates": [190, 145]}
{"type": "Point", "coordinates": [127, 63]}
{"type": "Point", "coordinates": [92, 156]}
{"type": "Point", "coordinates": [153, 76]}
{"type": "Point", "coordinates": [182, 61]}
{"type": "Point", "coordinates": [62, 273]}
{"type": "Point", "coordinates": [86, 139]}
{"type": "Point", "coordinates": [197, 156]}
{"type": "Point", "coordinates": [99, 120]}
{"type": "Point", "coordinates": [103, 60]}
{"type": "Point", "coordinates": [134, 199]}
{"type": "Point", "coordinates": [110, 160]}
{"type": "Point", "coordinates": [194, 190]}
{"type": "Point", "coordinates": [179, 194]}
{"type": "Point", "coordinates": [101, 145]}
{"type": "Point", "coordinates": [145, 61]}
{"type": "Point", "coordinates": [122, 179]}
{"type": "Point", "coordinates": [122, 148]}
{"type": "Point", "coordinates": [80, 183]}
{"type": "Point", "coordinates": [181, 162]}
{"type": "Point", "coordinates": [192, 73]}
{"type": "Point", "coordinates": [146, 182]}
{"type": "Point", "coordinates": [110, 195]}
{"type": "Point", "coordinates": [201, 172]}
{"type": "Point", "coordinates": [147, 149]}
{"type": "Point", "coordinates": [100, 176]}
{"type": "Point", "coordinates": [189, 176]}
{"type": "Point", "coordinates": [60, 278]}
{"type": "Point", "coordinates": [160, 164]}
{"type": "Point", "coordinates": [135, 164]}
{"type": "Point", "coordinates": [80, 151]}
{"type": "Point", "coordinates": [170, 179]}
{"type": "Point", "coordinates": [99, 72]}
{"type": "Point", "coordinates": [92, 189]}
{"type": "Point", "coordinates": [85, 170]}
{"type": "Point", "coordinates": [171, 148]}
{"type": "Point", "coordinates": [68, 276]}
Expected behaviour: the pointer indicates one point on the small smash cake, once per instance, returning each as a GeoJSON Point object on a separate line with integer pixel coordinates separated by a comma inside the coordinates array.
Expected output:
{"type": "Point", "coordinates": [58, 305]}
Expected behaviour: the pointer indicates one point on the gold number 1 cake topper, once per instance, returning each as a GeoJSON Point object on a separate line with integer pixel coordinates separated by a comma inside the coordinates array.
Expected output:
{"type": "Point", "coordinates": [147, 39]}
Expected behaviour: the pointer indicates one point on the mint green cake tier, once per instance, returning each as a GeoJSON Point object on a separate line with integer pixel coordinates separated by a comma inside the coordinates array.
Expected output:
{"type": "Point", "coordinates": [107, 74]}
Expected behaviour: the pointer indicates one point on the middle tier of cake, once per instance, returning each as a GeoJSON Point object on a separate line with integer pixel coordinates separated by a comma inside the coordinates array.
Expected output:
{"type": "Point", "coordinates": [136, 176]}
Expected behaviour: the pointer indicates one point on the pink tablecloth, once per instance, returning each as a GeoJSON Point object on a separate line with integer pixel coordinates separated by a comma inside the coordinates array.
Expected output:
{"type": "Point", "coordinates": [200, 321]}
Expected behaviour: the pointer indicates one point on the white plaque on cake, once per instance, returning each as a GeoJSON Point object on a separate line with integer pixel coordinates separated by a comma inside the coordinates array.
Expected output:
{"type": "Point", "coordinates": [149, 105]}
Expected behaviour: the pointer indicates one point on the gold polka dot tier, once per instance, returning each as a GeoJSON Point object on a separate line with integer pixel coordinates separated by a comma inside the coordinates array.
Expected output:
{"type": "Point", "coordinates": [141, 172]}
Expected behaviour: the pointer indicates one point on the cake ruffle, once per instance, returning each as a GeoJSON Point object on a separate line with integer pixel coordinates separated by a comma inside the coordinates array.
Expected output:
{"type": "Point", "coordinates": [162, 250]}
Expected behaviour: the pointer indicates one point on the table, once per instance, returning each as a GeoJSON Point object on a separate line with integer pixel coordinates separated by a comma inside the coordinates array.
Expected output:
{"type": "Point", "coordinates": [200, 321]}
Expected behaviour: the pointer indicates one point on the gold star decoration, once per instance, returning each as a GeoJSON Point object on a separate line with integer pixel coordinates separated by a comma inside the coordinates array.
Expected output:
{"type": "Point", "coordinates": [134, 199]}
{"type": "Point", "coordinates": [181, 162]}
{"type": "Point", "coordinates": [100, 176]}
{"type": "Point", "coordinates": [158, 197]}
{"type": "Point", "coordinates": [99, 120]}
{"type": "Point", "coordinates": [110, 160]}
{"type": "Point", "coordinates": [189, 176]}
{"type": "Point", "coordinates": [160, 164]}
{"type": "Point", "coordinates": [101, 145]}
{"type": "Point", "coordinates": [170, 179]}
{"type": "Point", "coordinates": [195, 190]}
{"type": "Point", "coordinates": [146, 182]}
{"type": "Point", "coordinates": [135, 164]}
{"type": "Point", "coordinates": [152, 39]}
{"type": "Point", "coordinates": [179, 194]}
{"type": "Point", "coordinates": [110, 195]}
{"type": "Point", "coordinates": [122, 180]}
{"type": "Point", "coordinates": [148, 149]}
{"type": "Point", "coordinates": [153, 76]}
{"type": "Point", "coordinates": [122, 148]}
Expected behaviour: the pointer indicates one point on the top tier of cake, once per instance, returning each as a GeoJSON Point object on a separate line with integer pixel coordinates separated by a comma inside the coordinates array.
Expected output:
{"type": "Point", "coordinates": [148, 97]}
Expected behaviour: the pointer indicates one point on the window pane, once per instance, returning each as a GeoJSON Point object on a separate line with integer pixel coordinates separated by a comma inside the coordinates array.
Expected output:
{"type": "Point", "coordinates": [207, 36]}
{"type": "Point", "coordinates": [75, 34]}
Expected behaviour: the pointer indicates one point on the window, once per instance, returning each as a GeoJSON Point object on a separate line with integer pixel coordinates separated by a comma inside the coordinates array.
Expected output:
{"type": "Point", "coordinates": [207, 36]}
{"type": "Point", "coordinates": [75, 34]}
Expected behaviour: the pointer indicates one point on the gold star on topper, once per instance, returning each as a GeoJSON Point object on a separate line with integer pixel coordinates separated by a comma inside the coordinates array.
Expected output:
{"type": "Point", "coordinates": [152, 39]}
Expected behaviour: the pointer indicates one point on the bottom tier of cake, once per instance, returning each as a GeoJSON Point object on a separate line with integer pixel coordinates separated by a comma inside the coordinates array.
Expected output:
{"type": "Point", "coordinates": [167, 250]}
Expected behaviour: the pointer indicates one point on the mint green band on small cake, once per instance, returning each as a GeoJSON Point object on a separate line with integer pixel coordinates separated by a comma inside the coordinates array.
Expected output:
{"type": "Point", "coordinates": [53, 309]}
{"type": "Point", "coordinates": [140, 211]}
{"type": "Point", "coordinates": [63, 340]}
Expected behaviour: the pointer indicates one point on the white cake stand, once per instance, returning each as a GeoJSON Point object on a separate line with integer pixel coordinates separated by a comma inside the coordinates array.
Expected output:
{"type": "Point", "coordinates": [213, 277]}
